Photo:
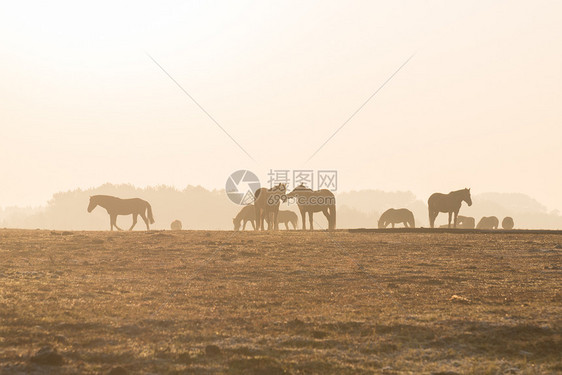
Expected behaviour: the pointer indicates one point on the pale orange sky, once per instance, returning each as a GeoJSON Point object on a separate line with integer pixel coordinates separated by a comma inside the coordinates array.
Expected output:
{"type": "Point", "coordinates": [479, 105]}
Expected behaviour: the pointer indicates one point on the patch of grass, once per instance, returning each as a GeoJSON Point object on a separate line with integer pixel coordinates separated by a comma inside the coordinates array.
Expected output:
{"type": "Point", "coordinates": [276, 303]}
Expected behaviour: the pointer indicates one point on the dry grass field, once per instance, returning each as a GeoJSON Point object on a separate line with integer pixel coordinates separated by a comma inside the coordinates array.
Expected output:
{"type": "Point", "coordinates": [282, 303]}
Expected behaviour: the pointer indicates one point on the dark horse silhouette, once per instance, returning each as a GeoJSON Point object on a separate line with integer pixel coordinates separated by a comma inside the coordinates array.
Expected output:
{"type": "Point", "coordinates": [393, 216]}
{"type": "Point", "coordinates": [315, 201]}
{"type": "Point", "coordinates": [450, 203]}
{"type": "Point", "coordinates": [266, 205]}
{"type": "Point", "coordinates": [117, 206]}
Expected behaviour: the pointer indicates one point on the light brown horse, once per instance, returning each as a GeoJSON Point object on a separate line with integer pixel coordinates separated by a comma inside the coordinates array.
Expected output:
{"type": "Point", "coordinates": [315, 201]}
{"type": "Point", "coordinates": [286, 217]}
{"type": "Point", "coordinates": [247, 213]}
{"type": "Point", "coordinates": [394, 216]}
{"type": "Point", "coordinates": [450, 203]}
{"type": "Point", "coordinates": [488, 222]}
{"type": "Point", "coordinates": [266, 205]}
{"type": "Point", "coordinates": [117, 206]}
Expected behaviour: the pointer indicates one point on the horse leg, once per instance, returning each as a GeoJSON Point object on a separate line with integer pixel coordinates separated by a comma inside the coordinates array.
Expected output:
{"type": "Point", "coordinates": [253, 224]}
{"type": "Point", "coordinates": [432, 216]}
{"type": "Point", "coordinates": [273, 219]}
{"type": "Point", "coordinates": [456, 219]}
{"type": "Point", "coordinates": [244, 225]}
{"type": "Point", "coordinates": [114, 222]}
{"type": "Point", "coordinates": [143, 216]}
{"type": "Point", "coordinates": [311, 220]}
{"type": "Point", "coordinates": [393, 225]}
{"type": "Point", "coordinates": [134, 221]}
{"type": "Point", "coordinates": [303, 214]}
{"type": "Point", "coordinates": [449, 223]}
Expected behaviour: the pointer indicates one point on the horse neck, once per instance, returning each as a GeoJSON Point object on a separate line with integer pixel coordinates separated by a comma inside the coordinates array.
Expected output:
{"type": "Point", "coordinates": [104, 200]}
{"type": "Point", "coordinates": [239, 217]}
{"type": "Point", "coordinates": [304, 192]}
{"type": "Point", "coordinates": [457, 195]}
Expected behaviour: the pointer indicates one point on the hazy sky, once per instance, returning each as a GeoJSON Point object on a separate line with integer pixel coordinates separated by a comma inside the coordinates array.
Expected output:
{"type": "Point", "coordinates": [479, 105]}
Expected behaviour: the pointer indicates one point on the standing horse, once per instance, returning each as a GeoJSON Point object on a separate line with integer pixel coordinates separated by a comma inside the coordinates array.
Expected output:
{"type": "Point", "coordinates": [247, 213]}
{"type": "Point", "coordinates": [315, 201]}
{"type": "Point", "coordinates": [266, 205]}
{"type": "Point", "coordinates": [393, 216]}
{"type": "Point", "coordinates": [117, 206]}
{"type": "Point", "coordinates": [450, 203]}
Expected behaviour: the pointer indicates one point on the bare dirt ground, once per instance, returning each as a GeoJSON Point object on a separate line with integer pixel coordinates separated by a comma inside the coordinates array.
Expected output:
{"type": "Point", "coordinates": [287, 302]}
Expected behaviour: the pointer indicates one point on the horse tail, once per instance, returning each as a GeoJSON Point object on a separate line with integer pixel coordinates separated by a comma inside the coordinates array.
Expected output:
{"type": "Point", "coordinates": [413, 221]}
{"type": "Point", "coordinates": [149, 209]}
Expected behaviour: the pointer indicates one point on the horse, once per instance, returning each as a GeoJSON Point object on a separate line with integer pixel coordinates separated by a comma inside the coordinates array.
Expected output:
{"type": "Point", "coordinates": [117, 206]}
{"type": "Point", "coordinates": [450, 203]}
{"type": "Point", "coordinates": [247, 213]}
{"type": "Point", "coordinates": [266, 205]}
{"type": "Point", "coordinates": [393, 216]}
{"type": "Point", "coordinates": [286, 217]}
{"type": "Point", "coordinates": [465, 222]}
{"type": "Point", "coordinates": [490, 222]}
{"type": "Point", "coordinates": [315, 201]}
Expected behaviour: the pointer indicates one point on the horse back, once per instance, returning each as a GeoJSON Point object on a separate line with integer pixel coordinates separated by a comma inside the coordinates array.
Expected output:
{"type": "Point", "coordinates": [248, 212]}
{"type": "Point", "coordinates": [442, 202]}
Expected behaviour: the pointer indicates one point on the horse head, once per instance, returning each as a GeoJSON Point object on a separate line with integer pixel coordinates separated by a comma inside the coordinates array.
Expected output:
{"type": "Point", "coordinates": [466, 197]}
{"type": "Point", "coordinates": [295, 192]}
{"type": "Point", "coordinates": [92, 204]}
{"type": "Point", "coordinates": [282, 189]}
{"type": "Point", "coordinates": [236, 224]}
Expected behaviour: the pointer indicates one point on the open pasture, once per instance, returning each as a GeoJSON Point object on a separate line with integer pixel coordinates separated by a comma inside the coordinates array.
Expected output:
{"type": "Point", "coordinates": [284, 302]}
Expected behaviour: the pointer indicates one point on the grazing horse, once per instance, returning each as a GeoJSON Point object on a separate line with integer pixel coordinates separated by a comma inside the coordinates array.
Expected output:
{"type": "Point", "coordinates": [315, 201]}
{"type": "Point", "coordinates": [266, 205]}
{"type": "Point", "coordinates": [247, 213]}
{"type": "Point", "coordinates": [490, 222]}
{"type": "Point", "coordinates": [450, 203]}
{"type": "Point", "coordinates": [286, 217]}
{"type": "Point", "coordinates": [117, 206]}
{"type": "Point", "coordinates": [465, 222]}
{"type": "Point", "coordinates": [393, 216]}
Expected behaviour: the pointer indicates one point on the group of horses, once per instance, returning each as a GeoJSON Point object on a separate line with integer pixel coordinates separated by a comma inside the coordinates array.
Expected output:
{"type": "Point", "coordinates": [437, 202]}
{"type": "Point", "coordinates": [267, 202]}
{"type": "Point", "coordinates": [265, 208]}
{"type": "Point", "coordinates": [448, 203]}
